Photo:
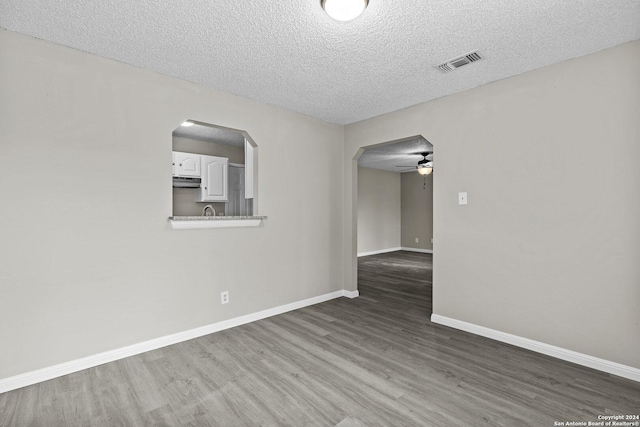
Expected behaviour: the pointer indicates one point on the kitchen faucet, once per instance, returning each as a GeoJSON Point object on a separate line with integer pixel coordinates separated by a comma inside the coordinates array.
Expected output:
{"type": "Point", "coordinates": [212, 211]}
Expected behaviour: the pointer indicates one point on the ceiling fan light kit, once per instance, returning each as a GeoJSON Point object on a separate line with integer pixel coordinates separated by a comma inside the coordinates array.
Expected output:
{"type": "Point", "coordinates": [424, 169]}
{"type": "Point", "coordinates": [425, 166]}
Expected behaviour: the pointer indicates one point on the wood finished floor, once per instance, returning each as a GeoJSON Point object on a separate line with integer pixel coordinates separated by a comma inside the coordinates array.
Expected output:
{"type": "Point", "coordinates": [376, 360]}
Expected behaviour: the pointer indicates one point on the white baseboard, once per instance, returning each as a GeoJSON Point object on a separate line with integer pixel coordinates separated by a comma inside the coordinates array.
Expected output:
{"type": "Point", "coordinates": [351, 294]}
{"type": "Point", "coordinates": [422, 251]}
{"type": "Point", "coordinates": [44, 374]}
{"type": "Point", "coordinates": [379, 251]}
{"type": "Point", "coordinates": [540, 347]}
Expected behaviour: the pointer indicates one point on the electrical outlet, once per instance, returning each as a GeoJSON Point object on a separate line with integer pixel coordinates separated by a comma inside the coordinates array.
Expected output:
{"type": "Point", "coordinates": [417, 240]}
{"type": "Point", "coordinates": [224, 297]}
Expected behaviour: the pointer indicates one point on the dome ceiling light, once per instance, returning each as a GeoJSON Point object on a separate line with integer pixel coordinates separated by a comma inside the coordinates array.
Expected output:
{"type": "Point", "coordinates": [344, 10]}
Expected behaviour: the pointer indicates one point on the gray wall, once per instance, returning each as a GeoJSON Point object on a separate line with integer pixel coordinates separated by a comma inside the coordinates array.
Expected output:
{"type": "Point", "coordinates": [184, 199]}
{"type": "Point", "coordinates": [88, 260]}
{"type": "Point", "coordinates": [416, 210]}
{"type": "Point", "coordinates": [546, 249]}
{"type": "Point", "coordinates": [378, 210]}
{"type": "Point", "coordinates": [548, 246]}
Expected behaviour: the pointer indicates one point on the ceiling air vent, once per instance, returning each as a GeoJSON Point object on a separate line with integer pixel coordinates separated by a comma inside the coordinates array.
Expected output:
{"type": "Point", "coordinates": [452, 64]}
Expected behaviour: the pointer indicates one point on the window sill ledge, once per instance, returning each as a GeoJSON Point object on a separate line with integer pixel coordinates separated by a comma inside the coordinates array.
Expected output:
{"type": "Point", "coordinates": [194, 222]}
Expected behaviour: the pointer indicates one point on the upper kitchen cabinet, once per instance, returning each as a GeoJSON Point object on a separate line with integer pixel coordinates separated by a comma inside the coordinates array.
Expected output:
{"type": "Point", "coordinates": [215, 178]}
{"type": "Point", "coordinates": [186, 164]}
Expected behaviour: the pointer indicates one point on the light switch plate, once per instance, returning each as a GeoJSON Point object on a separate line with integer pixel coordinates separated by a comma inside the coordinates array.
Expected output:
{"type": "Point", "coordinates": [462, 198]}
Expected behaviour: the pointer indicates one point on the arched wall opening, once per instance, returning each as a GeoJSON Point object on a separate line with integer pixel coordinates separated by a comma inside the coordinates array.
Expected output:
{"type": "Point", "coordinates": [399, 229]}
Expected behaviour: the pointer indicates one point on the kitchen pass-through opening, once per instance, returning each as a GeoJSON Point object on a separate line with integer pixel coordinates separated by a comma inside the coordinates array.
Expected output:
{"type": "Point", "coordinates": [214, 171]}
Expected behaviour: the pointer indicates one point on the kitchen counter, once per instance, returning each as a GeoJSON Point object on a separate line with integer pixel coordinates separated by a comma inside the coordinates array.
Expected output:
{"type": "Point", "coordinates": [181, 222]}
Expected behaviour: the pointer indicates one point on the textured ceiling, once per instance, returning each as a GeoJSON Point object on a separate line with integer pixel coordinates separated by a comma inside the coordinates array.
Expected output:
{"type": "Point", "coordinates": [289, 53]}
{"type": "Point", "coordinates": [211, 133]}
{"type": "Point", "coordinates": [405, 154]}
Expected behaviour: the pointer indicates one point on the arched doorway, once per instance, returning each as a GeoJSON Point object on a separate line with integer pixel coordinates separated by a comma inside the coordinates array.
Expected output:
{"type": "Point", "coordinates": [393, 215]}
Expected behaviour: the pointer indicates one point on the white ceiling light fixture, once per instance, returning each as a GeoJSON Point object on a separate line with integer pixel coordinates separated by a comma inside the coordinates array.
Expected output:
{"type": "Point", "coordinates": [187, 124]}
{"type": "Point", "coordinates": [425, 170]}
{"type": "Point", "coordinates": [344, 10]}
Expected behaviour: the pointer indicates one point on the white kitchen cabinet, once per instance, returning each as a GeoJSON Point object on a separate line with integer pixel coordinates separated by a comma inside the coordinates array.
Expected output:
{"type": "Point", "coordinates": [186, 164]}
{"type": "Point", "coordinates": [215, 179]}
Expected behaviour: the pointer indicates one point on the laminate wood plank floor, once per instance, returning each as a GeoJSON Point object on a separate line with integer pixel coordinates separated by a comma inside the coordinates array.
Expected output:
{"type": "Point", "coordinates": [375, 360]}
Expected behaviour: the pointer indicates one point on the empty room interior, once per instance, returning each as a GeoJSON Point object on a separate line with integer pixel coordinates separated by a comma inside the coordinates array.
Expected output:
{"type": "Point", "coordinates": [320, 212]}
